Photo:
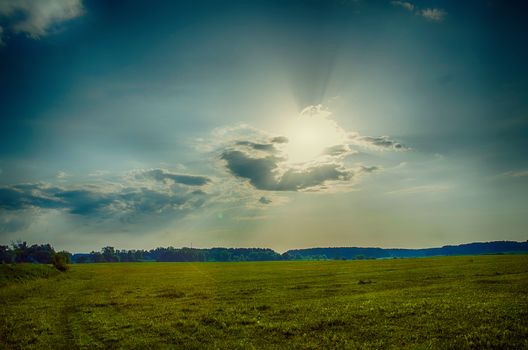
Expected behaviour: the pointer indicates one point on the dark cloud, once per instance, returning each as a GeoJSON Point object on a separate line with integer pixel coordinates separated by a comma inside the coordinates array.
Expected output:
{"type": "Point", "coordinates": [29, 195]}
{"type": "Point", "coordinates": [369, 169]}
{"type": "Point", "coordinates": [162, 175]}
{"type": "Point", "coordinates": [280, 139]}
{"type": "Point", "coordinates": [265, 200]}
{"type": "Point", "coordinates": [93, 201]}
{"type": "Point", "coordinates": [39, 195]}
{"type": "Point", "coordinates": [262, 172]}
{"type": "Point", "coordinates": [149, 201]}
{"type": "Point", "coordinates": [259, 171]}
{"type": "Point", "coordinates": [380, 142]}
{"type": "Point", "coordinates": [337, 150]}
{"type": "Point", "coordinates": [37, 18]}
{"type": "Point", "coordinates": [85, 202]}
{"type": "Point", "coordinates": [158, 194]}
{"type": "Point", "coordinates": [268, 147]}
{"type": "Point", "coordinates": [294, 180]}
{"type": "Point", "coordinates": [10, 199]}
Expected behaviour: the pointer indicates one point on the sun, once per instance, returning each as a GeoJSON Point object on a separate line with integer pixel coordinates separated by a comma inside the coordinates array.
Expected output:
{"type": "Point", "coordinates": [310, 134]}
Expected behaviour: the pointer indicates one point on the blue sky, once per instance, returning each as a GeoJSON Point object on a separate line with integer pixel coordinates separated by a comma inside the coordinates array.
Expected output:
{"type": "Point", "coordinates": [282, 124]}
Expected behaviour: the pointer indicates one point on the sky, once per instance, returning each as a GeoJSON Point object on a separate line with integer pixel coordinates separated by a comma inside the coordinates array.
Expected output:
{"type": "Point", "coordinates": [278, 124]}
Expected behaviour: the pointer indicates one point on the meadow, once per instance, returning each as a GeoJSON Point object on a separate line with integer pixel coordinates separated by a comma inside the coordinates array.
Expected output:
{"type": "Point", "coordinates": [432, 303]}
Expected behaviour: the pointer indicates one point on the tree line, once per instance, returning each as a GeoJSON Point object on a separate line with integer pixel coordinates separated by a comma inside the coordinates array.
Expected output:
{"type": "Point", "coordinates": [21, 252]}
{"type": "Point", "coordinates": [171, 254]}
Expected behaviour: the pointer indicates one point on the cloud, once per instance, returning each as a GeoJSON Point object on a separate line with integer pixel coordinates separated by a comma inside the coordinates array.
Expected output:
{"type": "Point", "coordinates": [61, 175]}
{"type": "Point", "coordinates": [404, 4]}
{"type": "Point", "coordinates": [10, 199]}
{"type": "Point", "coordinates": [312, 156]}
{"type": "Point", "coordinates": [251, 169]}
{"type": "Point", "coordinates": [516, 173]}
{"type": "Point", "coordinates": [433, 14]}
{"type": "Point", "coordinates": [259, 171]}
{"type": "Point", "coordinates": [147, 202]}
{"type": "Point", "coordinates": [279, 139]}
{"type": "Point", "coordinates": [257, 146]}
{"type": "Point", "coordinates": [269, 174]}
{"type": "Point", "coordinates": [265, 200]}
{"type": "Point", "coordinates": [338, 150]}
{"type": "Point", "coordinates": [316, 111]}
{"type": "Point", "coordinates": [37, 18]}
{"type": "Point", "coordinates": [25, 196]}
{"type": "Point", "coordinates": [84, 201]}
{"type": "Point", "coordinates": [370, 169]}
{"type": "Point", "coordinates": [90, 200]}
{"type": "Point", "coordinates": [124, 202]}
{"type": "Point", "coordinates": [164, 175]}
{"type": "Point", "coordinates": [295, 180]}
{"type": "Point", "coordinates": [380, 143]}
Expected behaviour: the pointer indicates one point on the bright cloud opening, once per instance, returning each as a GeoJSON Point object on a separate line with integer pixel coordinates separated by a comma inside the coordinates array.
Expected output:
{"type": "Point", "coordinates": [310, 134]}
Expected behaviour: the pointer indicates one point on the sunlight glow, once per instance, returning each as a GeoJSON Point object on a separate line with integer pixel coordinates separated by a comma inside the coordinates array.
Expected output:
{"type": "Point", "coordinates": [310, 134]}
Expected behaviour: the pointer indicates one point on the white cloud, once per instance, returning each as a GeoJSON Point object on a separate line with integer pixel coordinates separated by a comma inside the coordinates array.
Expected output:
{"type": "Point", "coordinates": [61, 175]}
{"type": "Point", "coordinates": [313, 154]}
{"type": "Point", "coordinates": [517, 173]}
{"type": "Point", "coordinates": [405, 4]}
{"type": "Point", "coordinates": [433, 14]}
{"type": "Point", "coordinates": [38, 18]}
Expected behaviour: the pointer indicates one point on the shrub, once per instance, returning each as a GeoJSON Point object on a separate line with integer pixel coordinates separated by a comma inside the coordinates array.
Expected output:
{"type": "Point", "coordinates": [61, 260]}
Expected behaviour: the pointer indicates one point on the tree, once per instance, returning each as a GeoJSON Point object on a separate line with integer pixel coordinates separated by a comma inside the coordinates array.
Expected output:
{"type": "Point", "coordinates": [20, 250]}
{"type": "Point", "coordinates": [109, 254]}
{"type": "Point", "coordinates": [61, 260]}
{"type": "Point", "coordinates": [6, 254]}
{"type": "Point", "coordinates": [40, 253]}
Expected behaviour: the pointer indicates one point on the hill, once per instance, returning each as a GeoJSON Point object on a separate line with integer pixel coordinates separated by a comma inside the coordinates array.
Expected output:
{"type": "Point", "coordinates": [10, 273]}
{"type": "Point", "coordinates": [347, 253]}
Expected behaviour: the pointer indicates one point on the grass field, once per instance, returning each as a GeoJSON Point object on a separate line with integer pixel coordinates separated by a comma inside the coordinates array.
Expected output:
{"type": "Point", "coordinates": [451, 302]}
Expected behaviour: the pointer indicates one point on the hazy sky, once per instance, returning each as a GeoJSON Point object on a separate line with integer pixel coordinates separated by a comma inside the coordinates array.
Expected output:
{"type": "Point", "coordinates": [283, 124]}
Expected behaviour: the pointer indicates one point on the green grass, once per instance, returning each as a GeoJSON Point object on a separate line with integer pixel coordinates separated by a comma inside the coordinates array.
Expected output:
{"type": "Point", "coordinates": [25, 272]}
{"type": "Point", "coordinates": [436, 303]}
